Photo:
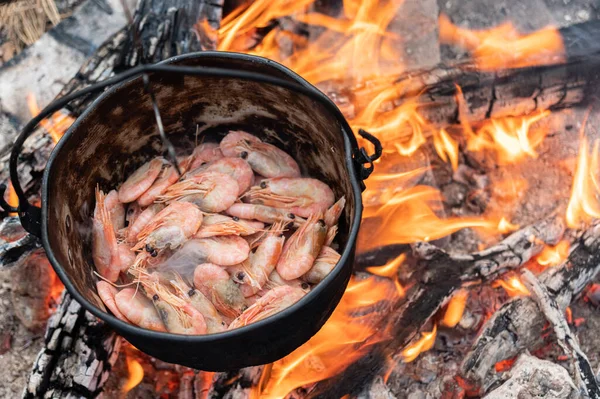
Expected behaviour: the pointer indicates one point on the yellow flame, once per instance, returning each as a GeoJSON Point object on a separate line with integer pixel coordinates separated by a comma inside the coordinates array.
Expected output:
{"type": "Point", "coordinates": [446, 148]}
{"type": "Point", "coordinates": [424, 344]}
{"type": "Point", "coordinates": [390, 269]}
{"type": "Point", "coordinates": [504, 226]}
{"type": "Point", "coordinates": [12, 199]}
{"type": "Point", "coordinates": [56, 125]}
{"type": "Point", "coordinates": [513, 287]}
{"type": "Point", "coordinates": [455, 308]}
{"type": "Point", "coordinates": [553, 256]}
{"type": "Point", "coordinates": [583, 204]}
{"type": "Point", "coordinates": [136, 374]}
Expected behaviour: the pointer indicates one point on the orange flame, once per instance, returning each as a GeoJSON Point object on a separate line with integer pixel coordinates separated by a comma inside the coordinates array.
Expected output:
{"type": "Point", "coordinates": [446, 148]}
{"type": "Point", "coordinates": [455, 308]}
{"type": "Point", "coordinates": [11, 198]}
{"type": "Point", "coordinates": [511, 137]}
{"type": "Point", "coordinates": [504, 226]}
{"type": "Point", "coordinates": [136, 374]}
{"type": "Point", "coordinates": [356, 46]}
{"type": "Point", "coordinates": [513, 287]}
{"type": "Point", "coordinates": [390, 270]}
{"type": "Point", "coordinates": [342, 340]}
{"type": "Point", "coordinates": [553, 256]}
{"type": "Point", "coordinates": [503, 46]}
{"type": "Point", "coordinates": [56, 125]}
{"type": "Point", "coordinates": [583, 204]}
{"type": "Point", "coordinates": [408, 217]}
{"type": "Point", "coordinates": [424, 344]}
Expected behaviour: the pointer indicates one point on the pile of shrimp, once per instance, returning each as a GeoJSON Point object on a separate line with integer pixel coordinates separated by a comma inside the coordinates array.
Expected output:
{"type": "Point", "coordinates": [236, 238]}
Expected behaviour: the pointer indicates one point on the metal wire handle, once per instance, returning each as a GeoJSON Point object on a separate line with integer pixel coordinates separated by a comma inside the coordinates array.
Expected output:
{"type": "Point", "coordinates": [30, 215]}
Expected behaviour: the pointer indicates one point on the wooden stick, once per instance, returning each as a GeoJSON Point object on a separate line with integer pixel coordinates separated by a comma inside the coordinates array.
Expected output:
{"type": "Point", "coordinates": [518, 324]}
{"type": "Point", "coordinates": [566, 340]}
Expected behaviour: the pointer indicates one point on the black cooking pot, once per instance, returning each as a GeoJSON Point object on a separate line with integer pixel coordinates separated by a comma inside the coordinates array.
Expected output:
{"type": "Point", "coordinates": [118, 132]}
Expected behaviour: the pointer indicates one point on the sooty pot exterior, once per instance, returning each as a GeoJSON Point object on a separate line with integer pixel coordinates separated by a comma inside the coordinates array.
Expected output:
{"type": "Point", "coordinates": [118, 133]}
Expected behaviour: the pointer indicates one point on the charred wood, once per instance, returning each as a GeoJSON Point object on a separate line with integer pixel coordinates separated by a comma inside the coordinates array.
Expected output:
{"type": "Point", "coordinates": [78, 354]}
{"type": "Point", "coordinates": [509, 92]}
{"type": "Point", "coordinates": [443, 274]}
{"type": "Point", "coordinates": [566, 340]}
{"type": "Point", "coordinates": [518, 324]}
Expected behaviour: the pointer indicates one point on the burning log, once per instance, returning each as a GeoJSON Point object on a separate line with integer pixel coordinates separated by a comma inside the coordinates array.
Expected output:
{"type": "Point", "coordinates": [443, 275]}
{"type": "Point", "coordinates": [509, 92]}
{"type": "Point", "coordinates": [518, 324]}
{"type": "Point", "coordinates": [566, 339]}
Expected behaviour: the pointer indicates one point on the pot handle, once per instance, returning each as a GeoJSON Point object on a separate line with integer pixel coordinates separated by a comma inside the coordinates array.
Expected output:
{"type": "Point", "coordinates": [31, 215]}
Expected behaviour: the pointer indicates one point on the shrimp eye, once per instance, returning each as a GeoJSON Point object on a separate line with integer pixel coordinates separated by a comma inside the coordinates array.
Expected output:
{"type": "Point", "coordinates": [155, 297]}
{"type": "Point", "coordinates": [191, 293]}
{"type": "Point", "coordinates": [322, 222]}
{"type": "Point", "coordinates": [240, 276]}
{"type": "Point", "coordinates": [203, 163]}
{"type": "Point", "coordinates": [244, 154]}
{"type": "Point", "coordinates": [148, 248]}
{"type": "Point", "coordinates": [263, 184]}
{"type": "Point", "coordinates": [154, 254]}
{"type": "Point", "coordinates": [305, 286]}
{"type": "Point", "coordinates": [130, 211]}
{"type": "Point", "coordinates": [244, 308]}
{"type": "Point", "coordinates": [291, 216]}
{"type": "Point", "coordinates": [235, 219]}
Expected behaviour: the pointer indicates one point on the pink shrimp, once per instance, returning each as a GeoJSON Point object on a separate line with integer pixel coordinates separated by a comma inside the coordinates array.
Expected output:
{"type": "Point", "coordinates": [168, 176]}
{"type": "Point", "coordinates": [205, 152]}
{"type": "Point", "coordinates": [237, 168]}
{"type": "Point", "coordinates": [275, 280]}
{"type": "Point", "coordinates": [133, 212]}
{"type": "Point", "coordinates": [177, 314]}
{"type": "Point", "coordinates": [271, 303]}
{"type": "Point", "coordinates": [140, 180]}
{"type": "Point", "coordinates": [138, 310]}
{"type": "Point", "coordinates": [224, 251]}
{"type": "Point", "coordinates": [107, 293]}
{"type": "Point", "coordinates": [265, 159]}
{"type": "Point", "coordinates": [324, 264]}
{"type": "Point", "coordinates": [116, 210]}
{"type": "Point", "coordinates": [222, 225]}
{"type": "Point", "coordinates": [210, 191]}
{"type": "Point", "coordinates": [334, 212]}
{"type": "Point", "coordinates": [302, 248]}
{"type": "Point", "coordinates": [170, 228]}
{"type": "Point", "coordinates": [214, 321]}
{"type": "Point", "coordinates": [126, 256]}
{"type": "Point", "coordinates": [142, 221]}
{"type": "Point", "coordinates": [263, 213]}
{"type": "Point", "coordinates": [301, 196]}
{"type": "Point", "coordinates": [255, 272]}
{"type": "Point", "coordinates": [105, 249]}
{"type": "Point", "coordinates": [214, 282]}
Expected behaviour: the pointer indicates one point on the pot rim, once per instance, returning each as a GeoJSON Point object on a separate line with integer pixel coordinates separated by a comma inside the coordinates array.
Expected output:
{"type": "Point", "coordinates": [237, 333]}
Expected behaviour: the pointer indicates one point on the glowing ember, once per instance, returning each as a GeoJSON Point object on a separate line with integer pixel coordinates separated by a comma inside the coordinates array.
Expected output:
{"type": "Point", "coordinates": [513, 287]}
{"type": "Point", "coordinates": [446, 148]}
{"type": "Point", "coordinates": [512, 138]}
{"type": "Point", "coordinates": [504, 365]}
{"type": "Point", "coordinates": [136, 374]}
{"type": "Point", "coordinates": [504, 226]}
{"type": "Point", "coordinates": [553, 256]}
{"type": "Point", "coordinates": [584, 204]}
{"type": "Point", "coordinates": [455, 308]}
{"type": "Point", "coordinates": [503, 46]}
{"type": "Point", "coordinates": [424, 344]}
{"type": "Point", "coordinates": [56, 125]}
{"type": "Point", "coordinates": [342, 340]}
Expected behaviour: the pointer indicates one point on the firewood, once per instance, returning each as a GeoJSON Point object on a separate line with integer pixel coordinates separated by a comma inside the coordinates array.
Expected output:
{"type": "Point", "coordinates": [443, 275]}
{"type": "Point", "coordinates": [533, 377]}
{"type": "Point", "coordinates": [79, 351]}
{"type": "Point", "coordinates": [566, 340]}
{"type": "Point", "coordinates": [518, 324]}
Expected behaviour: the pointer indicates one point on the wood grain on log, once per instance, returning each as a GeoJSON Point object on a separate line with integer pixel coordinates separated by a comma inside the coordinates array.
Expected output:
{"type": "Point", "coordinates": [443, 274]}
{"type": "Point", "coordinates": [518, 324]}
{"type": "Point", "coordinates": [566, 340]}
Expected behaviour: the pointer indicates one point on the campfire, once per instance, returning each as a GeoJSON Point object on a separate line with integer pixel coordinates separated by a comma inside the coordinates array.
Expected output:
{"type": "Point", "coordinates": [479, 245]}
